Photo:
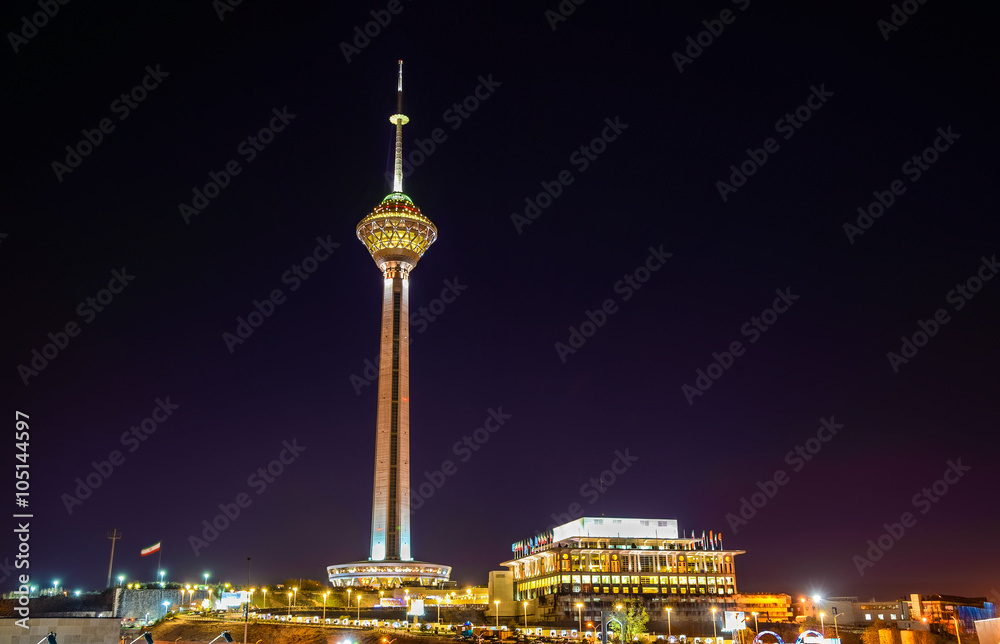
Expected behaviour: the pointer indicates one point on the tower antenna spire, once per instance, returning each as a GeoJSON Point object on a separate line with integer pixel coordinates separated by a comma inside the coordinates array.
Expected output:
{"type": "Point", "coordinates": [399, 120]}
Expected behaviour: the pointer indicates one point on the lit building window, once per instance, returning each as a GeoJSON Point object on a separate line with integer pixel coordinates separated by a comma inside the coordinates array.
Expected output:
{"type": "Point", "coordinates": [868, 616]}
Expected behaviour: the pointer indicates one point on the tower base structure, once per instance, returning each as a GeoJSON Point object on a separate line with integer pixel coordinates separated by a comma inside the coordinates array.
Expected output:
{"type": "Point", "coordinates": [387, 574]}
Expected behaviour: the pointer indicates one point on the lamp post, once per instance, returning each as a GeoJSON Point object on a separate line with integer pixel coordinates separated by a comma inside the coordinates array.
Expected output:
{"type": "Point", "coordinates": [211, 601]}
{"type": "Point", "coordinates": [161, 579]}
{"type": "Point", "coordinates": [496, 609]}
{"type": "Point", "coordinates": [295, 599]}
{"type": "Point", "coordinates": [836, 632]}
{"type": "Point", "coordinates": [166, 607]}
{"type": "Point", "coordinates": [756, 627]}
{"type": "Point", "coordinates": [525, 616]}
{"type": "Point", "coordinates": [669, 633]}
{"type": "Point", "coordinates": [205, 575]}
{"type": "Point", "coordinates": [822, 623]}
{"type": "Point", "coordinates": [579, 617]}
{"type": "Point", "coordinates": [264, 590]}
{"type": "Point", "coordinates": [324, 606]}
{"type": "Point", "coordinates": [359, 606]}
{"type": "Point", "coordinates": [957, 634]}
{"type": "Point", "coordinates": [349, 597]}
{"type": "Point", "coordinates": [621, 622]}
{"type": "Point", "coordinates": [289, 606]}
{"type": "Point", "coordinates": [715, 633]}
{"type": "Point", "coordinates": [439, 611]}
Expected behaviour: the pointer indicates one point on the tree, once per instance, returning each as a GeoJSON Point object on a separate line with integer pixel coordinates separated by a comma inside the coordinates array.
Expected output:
{"type": "Point", "coordinates": [634, 617]}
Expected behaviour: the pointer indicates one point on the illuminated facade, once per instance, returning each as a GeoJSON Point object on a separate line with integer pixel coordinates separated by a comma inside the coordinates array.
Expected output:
{"type": "Point", "coordinates": [396, 234]}
{"type": "Point", "coordinates": [600, 562]}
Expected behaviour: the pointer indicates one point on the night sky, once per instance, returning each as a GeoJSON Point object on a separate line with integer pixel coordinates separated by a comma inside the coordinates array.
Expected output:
{"type": "Point", "coordinates": [693, 196]}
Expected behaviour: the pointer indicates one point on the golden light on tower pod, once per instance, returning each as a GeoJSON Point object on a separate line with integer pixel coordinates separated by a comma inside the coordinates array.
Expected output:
{"type": "Point", "coordinates": [396, 233]}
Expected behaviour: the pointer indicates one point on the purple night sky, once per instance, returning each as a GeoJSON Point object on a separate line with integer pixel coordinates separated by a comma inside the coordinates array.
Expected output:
{"type": "Point", "coordinates": [757, 266]}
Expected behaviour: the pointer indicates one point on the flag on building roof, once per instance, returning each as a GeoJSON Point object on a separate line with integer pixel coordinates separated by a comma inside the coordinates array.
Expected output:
{"type": "Point", "coordinates": [151, 549]}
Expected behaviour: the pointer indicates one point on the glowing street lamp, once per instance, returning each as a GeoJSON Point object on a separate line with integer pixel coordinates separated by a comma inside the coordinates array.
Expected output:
{"type": "Point", "coordinates": [715, 632]}
{"type": "Point", "coordinates": [121, 580]}
{"type": "Point", "coordinates": [289, 605]}
{"type": "Point", "coordinates": [957, 634]}
{"type": "Point", "coordinates": [324, 606]}
{"type": "Point", "coordinates": [822, 624]}
{"type": "Point", "coordinates": [836, 632]}
{"type": "Point", "coordinates": [349, 597]}
{"type": "Point", "coordinates": [166, 607]}
{"type": "Point", "coordinates": [669, 633]}
{"type": "Point", "coordinates": [264, 590]}
{"type": "Point", "coordinates": [496, 609]}
{"type": "Point", "coordinates": [579, 617]}
{"type": "Point", "coordinates": [295, 599]}
{"type": "Point", "coordinates": [525, 616]}
{"type": "Point", "coordinates": [55, 586]}
{"type": "Point", "coordinates": [756, 627]}
{"type": "Point", "coordinates": [161, 579]}
{"type": "Point", "coordinates": [359, 606]}
{"type": "Point", "coordinates": [205, 575]}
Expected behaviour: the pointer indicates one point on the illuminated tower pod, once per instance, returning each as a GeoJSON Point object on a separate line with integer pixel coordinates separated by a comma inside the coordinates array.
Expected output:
{"type": "Point", "coordinates": [397, 235]}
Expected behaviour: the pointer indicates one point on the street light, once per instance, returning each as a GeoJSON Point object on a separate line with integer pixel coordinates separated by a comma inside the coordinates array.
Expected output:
{"type": "Point", "coordinates": [957, 634]}
{"type": "Point", "coordinates": [166, 607]}
{"type": "Point", "coordinates": [324, 606]}
{"type": "Point", "coordinates": [295, 599]}
{"type": "Point", "coordinates": [822, 623]}
{"type": "Point", "coordinates": [121, 580]}
{"type": "Point", "coordinates": [359, 606]}
{"type": "Point", "coordinates": [161, 579]}
{"type": "Point", "coordinates": [756, 626]}
{"type": "Point", "coordinates": [669, 633]}
{"type": "Point", "coordinates": [289, 605]}
{"type": "Point", "coordinates": [715, 632]}
{"type": "Point", "coordinates": [205, 575]}
{"type": "Point", "coordinates": [496, 609]}
{"type": "Point", "coordinates": [525, 616]}
{"type": "Point", "coordinates": [349, 597]}
{"type": "Point", "coordinates": [836, 632]}
{"type": "Point", "coordinates": [579, 617]}
{"type": "Point", "coordinates": [264, 590]}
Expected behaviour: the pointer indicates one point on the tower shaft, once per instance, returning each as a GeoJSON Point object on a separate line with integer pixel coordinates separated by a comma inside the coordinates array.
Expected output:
{"type": "Point", "coordinates": [391, 497]}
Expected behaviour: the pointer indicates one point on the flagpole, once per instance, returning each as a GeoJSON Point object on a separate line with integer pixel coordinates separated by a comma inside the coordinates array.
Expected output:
{"type": "Point", "coordinates": [159, 558]}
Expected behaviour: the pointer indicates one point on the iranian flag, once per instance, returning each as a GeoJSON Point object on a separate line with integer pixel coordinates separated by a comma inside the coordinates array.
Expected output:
{"type": "Point", "coordinates": [151, 549]}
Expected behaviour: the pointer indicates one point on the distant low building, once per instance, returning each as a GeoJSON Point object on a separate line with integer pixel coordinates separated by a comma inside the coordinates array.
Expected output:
{"type": "Point", "coordinates": [943, 612]}
{"type": "Point", "coordinates": [769, 607]}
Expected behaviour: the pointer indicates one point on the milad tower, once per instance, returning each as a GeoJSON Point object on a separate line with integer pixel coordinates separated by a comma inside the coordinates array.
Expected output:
{"type": "Point", "coordinates": [397, 235]}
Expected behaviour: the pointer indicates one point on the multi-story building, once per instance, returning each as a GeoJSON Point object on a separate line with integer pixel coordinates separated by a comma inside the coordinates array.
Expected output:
{"type": "Point", "coordinates": [943, 612]}
{"type": "Point", "coordinates": [599, 562]}
{"type": "Point", "coordinates": [768, 608]}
